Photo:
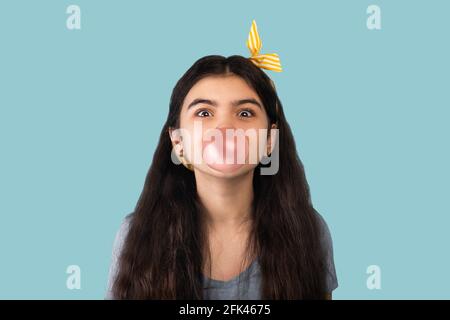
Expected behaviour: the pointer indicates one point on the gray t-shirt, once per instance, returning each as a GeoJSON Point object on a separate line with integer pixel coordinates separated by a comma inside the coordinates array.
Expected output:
{"type": "Point", "coordinates": [245, 286]}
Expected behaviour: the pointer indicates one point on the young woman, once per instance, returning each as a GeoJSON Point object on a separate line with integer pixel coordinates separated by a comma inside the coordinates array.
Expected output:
{"type": "Point", "coordinates": [218, 230]}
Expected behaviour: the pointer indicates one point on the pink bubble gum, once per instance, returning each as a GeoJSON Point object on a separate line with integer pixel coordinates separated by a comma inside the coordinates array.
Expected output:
{"type": "Point", "coordinates": [218, 159]}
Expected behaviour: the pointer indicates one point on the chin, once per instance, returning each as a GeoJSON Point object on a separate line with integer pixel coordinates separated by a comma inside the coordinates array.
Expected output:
{"type": "Point", "coordinates": [227, 171]}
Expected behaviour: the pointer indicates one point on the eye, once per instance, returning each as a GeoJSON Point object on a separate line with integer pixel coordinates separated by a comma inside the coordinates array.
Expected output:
{"type": "Point", "coordinates": [246, 113]}
{"type": "Point", "coordinates": [203, 113]}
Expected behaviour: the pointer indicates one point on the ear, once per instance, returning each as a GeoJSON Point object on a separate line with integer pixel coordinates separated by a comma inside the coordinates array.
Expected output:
{"type": "Point", "coordinates": [271, 137]}
{"type": "Point", "coordinates": [175, 137]}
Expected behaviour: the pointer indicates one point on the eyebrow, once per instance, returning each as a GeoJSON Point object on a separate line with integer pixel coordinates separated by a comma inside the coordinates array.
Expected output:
{"type": "Point", "coordinates": [214, 103]}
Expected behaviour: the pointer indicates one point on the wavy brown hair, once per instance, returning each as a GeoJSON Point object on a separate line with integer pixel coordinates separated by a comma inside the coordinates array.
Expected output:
{"type": "Point", "coordinates": [165, 248]}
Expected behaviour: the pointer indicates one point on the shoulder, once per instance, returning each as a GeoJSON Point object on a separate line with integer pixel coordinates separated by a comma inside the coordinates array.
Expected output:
{"type": "Point", "coordinates": [119, 240]}
{"type": "Point", "coordinates": [325, 234]}
{"type": "Point", "coordinates": [121, 234]}
{"type": "Point", "coordinates": [327, 244]}
{"type": "Point", "coordinates": [125, 225]}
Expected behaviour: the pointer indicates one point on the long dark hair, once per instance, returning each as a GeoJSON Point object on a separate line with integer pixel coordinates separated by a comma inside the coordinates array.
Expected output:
{"type": "Point", "coordinates": [164, 250]}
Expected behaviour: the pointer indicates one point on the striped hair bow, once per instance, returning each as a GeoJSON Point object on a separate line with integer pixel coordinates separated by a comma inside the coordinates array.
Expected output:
{"type": "Point", "coordinates": [269, 61]}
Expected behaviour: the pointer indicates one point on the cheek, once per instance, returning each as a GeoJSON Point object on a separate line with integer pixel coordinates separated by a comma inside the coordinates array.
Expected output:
{"type": "Point", "coordinates": [192, 140]}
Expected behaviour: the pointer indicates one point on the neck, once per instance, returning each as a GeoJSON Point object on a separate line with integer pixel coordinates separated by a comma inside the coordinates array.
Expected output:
{"type": "Point", "coordinates": [227, 202]}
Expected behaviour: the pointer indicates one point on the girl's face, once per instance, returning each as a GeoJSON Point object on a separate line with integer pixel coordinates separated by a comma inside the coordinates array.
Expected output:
{"type": "Point", "coordinates": [223, 127]}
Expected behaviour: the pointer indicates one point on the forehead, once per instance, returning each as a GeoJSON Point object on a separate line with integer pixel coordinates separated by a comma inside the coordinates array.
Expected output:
{"type": "Point", "coordinates": [223, 87]}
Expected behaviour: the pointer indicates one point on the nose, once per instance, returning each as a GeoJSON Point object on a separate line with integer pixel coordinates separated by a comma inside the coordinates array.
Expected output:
{"type": "Point", "coordinates": [224, 119]}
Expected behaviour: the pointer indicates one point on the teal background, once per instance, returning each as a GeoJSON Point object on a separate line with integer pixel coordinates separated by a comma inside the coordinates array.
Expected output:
{"type": "Point", "coordinates": [81, 112]}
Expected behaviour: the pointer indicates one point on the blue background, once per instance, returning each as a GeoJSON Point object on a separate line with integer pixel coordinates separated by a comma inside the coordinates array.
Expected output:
{"type": "Point", "coordinates": [81, 112]}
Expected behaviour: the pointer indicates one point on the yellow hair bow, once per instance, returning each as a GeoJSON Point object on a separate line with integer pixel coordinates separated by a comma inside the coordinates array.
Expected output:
{"type": "Point", "coordinates": [269, 61]}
